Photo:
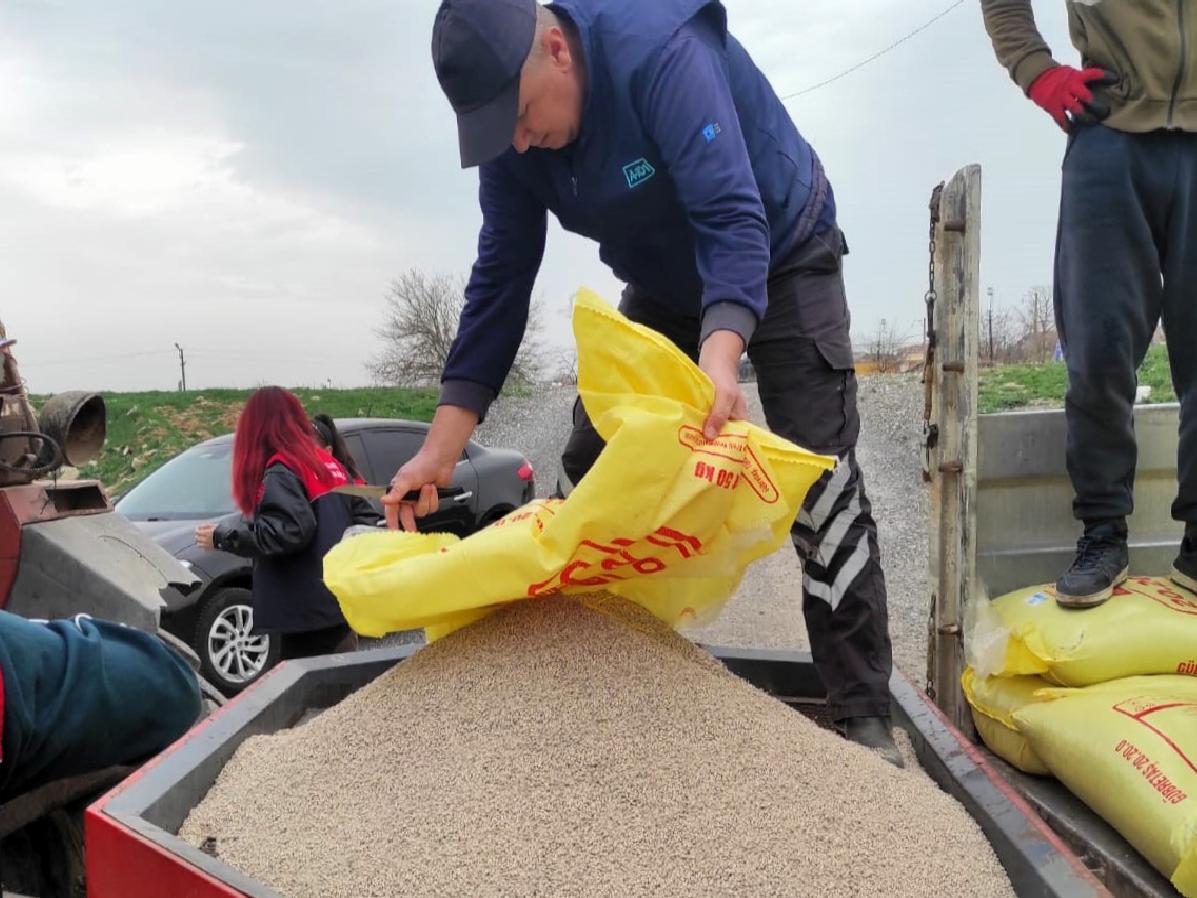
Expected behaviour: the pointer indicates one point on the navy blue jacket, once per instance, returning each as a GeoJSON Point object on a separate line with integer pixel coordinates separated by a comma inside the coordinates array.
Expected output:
{"type": "Point", "coordinates": [81, 695]}
{"type": "Point", "coordinates": [687, 170]}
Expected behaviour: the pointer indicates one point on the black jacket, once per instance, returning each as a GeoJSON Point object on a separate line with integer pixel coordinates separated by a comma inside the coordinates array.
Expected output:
{"type": "Point", "coordinates": [287, 539]}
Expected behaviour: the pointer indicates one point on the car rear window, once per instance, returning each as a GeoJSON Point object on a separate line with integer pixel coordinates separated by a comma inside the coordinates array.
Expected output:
{"type": "Point", "coordinates": [389, 449]}
{"type": "Point", "coordinates": [196, 484]}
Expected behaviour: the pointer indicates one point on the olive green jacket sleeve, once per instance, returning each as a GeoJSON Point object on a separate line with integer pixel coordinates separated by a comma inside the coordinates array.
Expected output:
{"type": "Point", "coordinates": [1018, 44]}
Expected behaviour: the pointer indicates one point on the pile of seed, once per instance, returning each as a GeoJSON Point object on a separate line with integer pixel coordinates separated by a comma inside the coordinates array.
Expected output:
{"type": "Point", "coordinates": [577, 747]}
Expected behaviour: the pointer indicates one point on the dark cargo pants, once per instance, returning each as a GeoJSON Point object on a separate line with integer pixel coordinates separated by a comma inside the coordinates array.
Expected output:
{"type": "Point", "coordinates": [1126, 254]}
{"type": "Point", "coordinates": [803, 359]}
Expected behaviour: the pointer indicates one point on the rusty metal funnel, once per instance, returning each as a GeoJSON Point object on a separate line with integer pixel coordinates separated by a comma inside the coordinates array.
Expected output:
{"type": "Point", "coordinates": [77, 422]}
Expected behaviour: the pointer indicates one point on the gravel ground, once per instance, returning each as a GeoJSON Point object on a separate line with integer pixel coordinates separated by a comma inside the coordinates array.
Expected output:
{"type": "Point", "coordinates": [537, 424]}
{"type": "Point", "coordinates": [890, 454]}
{"type": "Point", "coordinates": [767, 609]}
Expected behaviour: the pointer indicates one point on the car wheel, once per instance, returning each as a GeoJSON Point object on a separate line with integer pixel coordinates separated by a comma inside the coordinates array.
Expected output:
{"type": "Point", "coordinates": [230, 657]}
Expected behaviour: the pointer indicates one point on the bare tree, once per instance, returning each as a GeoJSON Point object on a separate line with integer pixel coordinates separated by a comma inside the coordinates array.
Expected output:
{"type": "Point", "coordinates": [884, 347]}
{"type": "Point", "coordinates": [565, 367]}
{"type": "Point", "coordinates": [1036, 317]}
{"type": "Point", "coordinates": [419, 324]}
{"type": "Point", "coordinates": [1001, 331]}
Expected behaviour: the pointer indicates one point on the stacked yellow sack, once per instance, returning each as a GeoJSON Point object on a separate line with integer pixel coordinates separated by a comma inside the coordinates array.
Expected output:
{"type": "Point", "coordinates": [1122, 732]}
{"type": "Point", "coordinates": [994, 701]}
{"type": "Point", "coordinates": [665, 517]}
{"type": "Point", "coordinates": [1148, 627]}
{"type": "Point", "coordinates": [1128, 749]}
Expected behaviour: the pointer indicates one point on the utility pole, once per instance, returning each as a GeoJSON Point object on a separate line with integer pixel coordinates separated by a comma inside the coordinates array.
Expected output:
{"type": "Point", "coordinates": [182, 369]}
{"type": "Point", "coordinates": [989, 291]}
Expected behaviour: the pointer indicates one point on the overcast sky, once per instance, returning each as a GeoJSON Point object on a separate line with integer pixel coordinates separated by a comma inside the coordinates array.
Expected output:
{"type": "Point", "coordinates": [246, 178]}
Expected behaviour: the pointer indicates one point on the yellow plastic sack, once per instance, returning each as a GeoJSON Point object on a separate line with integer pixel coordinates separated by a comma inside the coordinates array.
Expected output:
{"type": "Point", "coordinates": [1148, 627]}
{"type": "Point", "coordinates": [993, 701]}
{"type": "Point", "coordinates": [1128, 749]}
{"type": "Point", "coordinates": [664, 517]}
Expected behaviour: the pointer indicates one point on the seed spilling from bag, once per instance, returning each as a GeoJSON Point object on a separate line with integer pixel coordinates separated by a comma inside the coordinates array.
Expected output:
{"type": "Point", "coordinates": [578, 747]}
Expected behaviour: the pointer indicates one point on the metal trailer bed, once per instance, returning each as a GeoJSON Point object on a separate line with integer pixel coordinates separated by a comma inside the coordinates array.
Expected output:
{"type": "Point", "coordinates": [1025, 534]}
{"type": "Point", "coordinates": [133, 851]}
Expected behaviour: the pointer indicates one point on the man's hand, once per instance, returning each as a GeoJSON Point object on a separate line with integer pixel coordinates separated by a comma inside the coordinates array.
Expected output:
{"type": "Point", "coordinates": [719, 359]}
{"type": "Point", "coordinates": [424, 472]}
{"type": "Point", "coordinates": [431, 467]}
{"type": "Point", "coordinates": [1064, 91]}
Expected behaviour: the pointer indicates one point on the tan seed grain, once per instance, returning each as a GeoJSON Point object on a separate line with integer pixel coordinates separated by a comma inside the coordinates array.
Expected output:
{"type": "Point", "coordinates": [578, 747]}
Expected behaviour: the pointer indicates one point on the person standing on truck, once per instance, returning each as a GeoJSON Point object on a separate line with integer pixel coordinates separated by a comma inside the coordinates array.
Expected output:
{"type": "Point", "coordinates": [283, 483]}
{"type": "Point", "coordinates": [648, 128]}
{"type": "Point", "coordinates": [1126, 251]}
{"type": "Point", "coordinates": [81, 695]}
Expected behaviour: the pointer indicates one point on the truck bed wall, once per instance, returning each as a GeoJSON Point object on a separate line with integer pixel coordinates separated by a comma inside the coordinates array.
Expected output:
{"type": "Point", "coordinates": [1026, 534]}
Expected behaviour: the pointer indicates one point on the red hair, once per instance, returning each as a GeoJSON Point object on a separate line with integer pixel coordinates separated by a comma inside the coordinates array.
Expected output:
{"type": "Point", "coordinates": [272, 423]}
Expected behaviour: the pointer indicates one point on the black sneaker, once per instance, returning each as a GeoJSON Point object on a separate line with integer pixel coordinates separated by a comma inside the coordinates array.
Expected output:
{"type": "Point", "coordinates": [1184, 568]}
{"type": "Point", "coordinates": [1100, 564]}
{"type": "Point", "coordinates": [873, 733]}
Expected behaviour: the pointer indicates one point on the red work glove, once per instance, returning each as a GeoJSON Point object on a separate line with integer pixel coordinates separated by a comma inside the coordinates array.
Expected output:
{"type": "Point", "coordinates": [1065, 95]}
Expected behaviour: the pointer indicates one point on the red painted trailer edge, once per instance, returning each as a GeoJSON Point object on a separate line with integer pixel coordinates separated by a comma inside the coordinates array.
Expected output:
{"type": "Point", "coordinates": [1012, 795]}
{"type": "Point", "coordinates": [123, 864]}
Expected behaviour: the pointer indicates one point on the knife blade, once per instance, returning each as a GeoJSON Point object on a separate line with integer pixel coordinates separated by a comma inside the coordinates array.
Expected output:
{"type": "Point", "coordinates": [377, 492]}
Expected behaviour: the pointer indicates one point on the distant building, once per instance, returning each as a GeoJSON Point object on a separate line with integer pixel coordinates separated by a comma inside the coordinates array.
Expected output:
{"type": "Point", "coordinates": [904, 359]}
{"type": "Point", "coordinates": [912, 358]}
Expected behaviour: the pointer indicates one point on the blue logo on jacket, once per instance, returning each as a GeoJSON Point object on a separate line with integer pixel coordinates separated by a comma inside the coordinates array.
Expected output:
{"type": "Point", "coordinates": [638, 171]}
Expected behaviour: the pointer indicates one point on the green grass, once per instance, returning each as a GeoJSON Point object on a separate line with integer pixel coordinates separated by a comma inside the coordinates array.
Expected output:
{"type": "Point", "coordinates": [1020, 386]}
{"type": "Point", "coordinates": [1016, 386]}
{"type": "Point", "coordinates": [145, 430]}
{"type": "Point", "coordinates": [1156, 373]}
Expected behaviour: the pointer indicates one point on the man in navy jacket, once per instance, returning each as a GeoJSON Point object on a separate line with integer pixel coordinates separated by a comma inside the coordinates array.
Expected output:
{"type": "Point", "coordinates": [646, 127]}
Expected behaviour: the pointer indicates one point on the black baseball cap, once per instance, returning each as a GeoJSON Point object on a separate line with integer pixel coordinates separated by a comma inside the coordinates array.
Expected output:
{"type": "Point", "coordinates": [478, 50]}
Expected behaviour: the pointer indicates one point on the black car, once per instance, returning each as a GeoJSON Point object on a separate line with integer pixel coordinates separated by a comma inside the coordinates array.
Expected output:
{"type": "Point", "coordinates": [216, 619]}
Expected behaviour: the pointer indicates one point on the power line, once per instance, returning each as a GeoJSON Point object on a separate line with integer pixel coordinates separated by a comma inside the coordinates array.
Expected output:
{"type": "Point", "coordinates": [242, 354]}
{"type": "Point", "coordinates": [252, 355]}
{"type": "Point", "coordinates": [877, 55]}
{"type": "Point", "coordinates": [84, 360]}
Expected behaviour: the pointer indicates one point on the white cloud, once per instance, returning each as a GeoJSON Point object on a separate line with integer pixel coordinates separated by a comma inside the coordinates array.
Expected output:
{"type": "Point", "coordinates": [147, 175]}
{"type": "Point", "coordinates": [167, 176]}
{"type": "Point", "coordinates": [16, 100]}
{"type": "Point", "coordinates": [202, 174]}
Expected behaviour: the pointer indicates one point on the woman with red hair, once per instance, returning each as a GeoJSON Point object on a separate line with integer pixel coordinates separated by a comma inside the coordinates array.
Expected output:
{"type": "Point", "coordinates": [283, 482]}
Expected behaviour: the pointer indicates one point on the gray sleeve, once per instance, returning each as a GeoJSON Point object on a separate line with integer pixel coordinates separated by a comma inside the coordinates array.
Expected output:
{"type": "Point", "coordinates": [728, 316]}
{"type": "Point", "coordinates": [467, 394]}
